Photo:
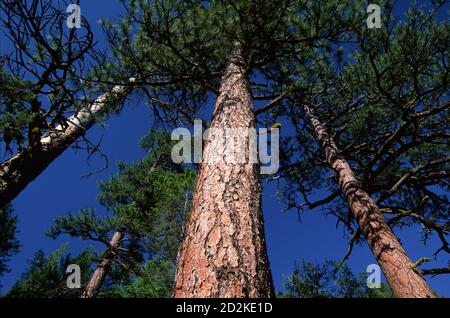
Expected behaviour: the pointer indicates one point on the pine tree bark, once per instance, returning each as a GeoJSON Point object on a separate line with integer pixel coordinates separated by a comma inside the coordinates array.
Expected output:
{"type": "Point", "coordinates": [403, 279]}
{"type": "Point", "coordinates": [223, 253]}
{"type": "Point", "coordinates": [103, 267]}
{"type": "Point", "coordinates": [18, 171]}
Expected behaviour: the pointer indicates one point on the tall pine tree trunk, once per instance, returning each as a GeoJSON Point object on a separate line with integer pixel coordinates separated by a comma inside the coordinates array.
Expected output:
{"type": "Point", "coordinates": [395, 264]}
{"type": "Point", "coordinates": [103, 267]}
{"type": "Point", "coordinates": [17, 172]}
{"type": "Point", "coordinates": [223, 253]}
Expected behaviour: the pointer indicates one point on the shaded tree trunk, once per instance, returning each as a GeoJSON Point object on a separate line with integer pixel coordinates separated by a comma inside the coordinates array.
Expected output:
{"type": "Point", "coordinates": [223, 253]}
{"type": "Point", "coordinates": [403, 279]}
{"type": "Point", "coordinates": [103, 267]}
{"type": "Point", "coordinates": [18, 171]}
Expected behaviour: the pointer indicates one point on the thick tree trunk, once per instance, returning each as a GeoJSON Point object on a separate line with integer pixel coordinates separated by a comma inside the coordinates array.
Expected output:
{"type": "Point", "coordinates": [103, 267]}
{"type": "Point", "coordinates": [223, 253]}
{"type": "Point", "coordinates": [397, 267]}
{"type": "Point", "coordinates": [17, 172]}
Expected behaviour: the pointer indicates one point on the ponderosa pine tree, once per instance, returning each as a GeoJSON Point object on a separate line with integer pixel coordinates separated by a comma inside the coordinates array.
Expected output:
{"type": "Point", "coordinates": [40, 117]}
{"type": "Point", "coordinates": [223, 252]}
{"type": "Point", "coordinates": [392, 128]}
{"type": "Point", "coordinates": [149, 203]}
{"type": "Point", "coordinates": [223, 47]}
{"type": "Point", "coordinates": [404, 280]}
{"type": "Point", "coordinates": [62, 98]}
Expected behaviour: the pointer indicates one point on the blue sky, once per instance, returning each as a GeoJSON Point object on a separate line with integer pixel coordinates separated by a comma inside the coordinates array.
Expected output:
{"type": "Point", "coordinates": [60, 189]}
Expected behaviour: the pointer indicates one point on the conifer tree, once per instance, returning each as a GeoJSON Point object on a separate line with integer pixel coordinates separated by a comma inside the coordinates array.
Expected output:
{"type": "Point", "coordinates": [46, 276]}
{"type": "Point", "coordinates": [329, 280]}
{"type": "Point", "coordinates": [223, 48]}
{"type": "Point", "coordinates": [391, 129]}
{"type": "Point", "coordinates": [49, 97]}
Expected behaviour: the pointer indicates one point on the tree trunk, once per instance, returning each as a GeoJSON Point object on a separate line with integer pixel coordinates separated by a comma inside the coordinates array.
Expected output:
{"type": "Point", "coordinates": [223, 253]}
{"type": "Point", "coordinates": [103, 268]}
{"type": "Point", "coordinates": [17, 172]}
{"type": "Point", "coordinates": [403, 279]}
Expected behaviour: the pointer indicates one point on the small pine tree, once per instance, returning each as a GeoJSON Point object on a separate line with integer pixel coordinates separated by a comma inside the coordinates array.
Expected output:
{"type": "Point", "coordinates": [329, 280]}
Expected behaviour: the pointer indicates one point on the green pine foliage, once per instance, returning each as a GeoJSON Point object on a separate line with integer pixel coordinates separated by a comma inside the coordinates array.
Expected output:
{"type": "Point", "coordinates": [46, 73]}
{"type": "Point", "coordinates": [329, 280]}
{"type": "Point", "coordinates": [46, 276]}
{"type": "Point", "coordinates": [180, 48]}
{"type": "Point", "coordinates": [9, 245]}
{"type": "Point", "coordinates": [149, 201]}
{"type": "Point", "coordinates": [14, 115]}
{"type": "Point", "coordinates": [385, 104]}
{"type": "Point", "coordinates": [154, 280]}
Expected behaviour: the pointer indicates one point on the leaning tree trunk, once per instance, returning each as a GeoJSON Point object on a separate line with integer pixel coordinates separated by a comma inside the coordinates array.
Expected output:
{"type": "Point", "coordinates": [403, 279]}
{"type": "Point", "coordinates": [103, 267]}
{"type": "Point", "coordinates": [17, 172]}
{"type": "Point", "coordinates": [223, 253]}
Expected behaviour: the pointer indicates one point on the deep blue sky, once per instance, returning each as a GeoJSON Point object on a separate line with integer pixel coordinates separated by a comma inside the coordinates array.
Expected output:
{"type": "Point", "coordinates": [61, 189]}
